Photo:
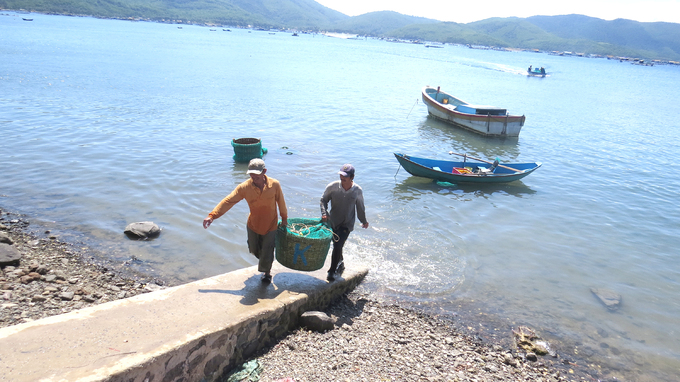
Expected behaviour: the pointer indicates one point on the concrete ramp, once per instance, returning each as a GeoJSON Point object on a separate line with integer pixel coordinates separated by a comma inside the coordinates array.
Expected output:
{"type": "Point", "coordinates": [193, 332]}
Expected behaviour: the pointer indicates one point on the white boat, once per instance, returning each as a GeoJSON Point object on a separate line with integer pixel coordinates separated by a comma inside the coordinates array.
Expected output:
{"type": "Point", "coordinates": [482, 119]}
{"type": "Point", "coordinates": [345, 36]}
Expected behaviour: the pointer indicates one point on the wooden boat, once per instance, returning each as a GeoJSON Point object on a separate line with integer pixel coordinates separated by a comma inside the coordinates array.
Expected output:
{"type": "Point", "coordinates": [27, 19]}
{"type": "Point", "coordinates": [485, 120]}
{"type": "Point", "coordinates": [466, 171]}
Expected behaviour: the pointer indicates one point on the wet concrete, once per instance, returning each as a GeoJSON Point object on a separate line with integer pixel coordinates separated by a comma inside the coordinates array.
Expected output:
{"type": "Point", "coordinates": [193, 332]}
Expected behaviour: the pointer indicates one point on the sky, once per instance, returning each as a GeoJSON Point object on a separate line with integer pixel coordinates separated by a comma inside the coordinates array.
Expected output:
{"type": "Point", "coordinates": [475, 10]}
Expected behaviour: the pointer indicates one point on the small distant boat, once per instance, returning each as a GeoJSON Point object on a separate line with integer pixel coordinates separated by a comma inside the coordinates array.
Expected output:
{"type": "Point", "coordinates": [465, 171]}
{"type": "Point", "coordinates": [179, 27]}
{"type": "Point", "coordinates": [345, 36]}
{"type": "Point", "coordinates": [295, 34]}
{"type": "Point", "coordinates": [213, 30]}
{"type": "Point", "coordinates": [27, 19]}
{"type": "Point", "coordinates": [642, 62]}
{"type": "Point", "coordinates": [536, 72]}
{"type": "Point", "coordinates": [227, 30]}
{"type": "Point", "coordinates": [484, 120]}
{"type": "Point", "coordinates": [434, 46]}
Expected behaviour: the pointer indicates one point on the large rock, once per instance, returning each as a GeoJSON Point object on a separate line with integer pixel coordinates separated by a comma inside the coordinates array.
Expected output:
{"type": "Point", "coordinates": [4, 238]}
{"type": "Point", "coordinates": [9, 255]}
{"type": "Point", "coordinates": [142, 230]}
{"type": "Point", "coordinates": [317, 321]}
{"type": "Point", "coordinates": [610, 299]}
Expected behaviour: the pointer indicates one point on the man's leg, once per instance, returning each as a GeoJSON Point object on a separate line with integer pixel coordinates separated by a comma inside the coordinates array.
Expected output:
{"type": "Point", "coordinates": [254, 243]}
{"type": "Point", "coordinates": [267, 252]}
{"type": "Point", "coordinates": [342, 234]}
{"type": "Point", "coordinates": [262, 247]}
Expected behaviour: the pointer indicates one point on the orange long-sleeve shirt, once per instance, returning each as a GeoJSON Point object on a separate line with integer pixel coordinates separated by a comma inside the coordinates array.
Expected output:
{"type": "Point", "coordinates": [263, 217]}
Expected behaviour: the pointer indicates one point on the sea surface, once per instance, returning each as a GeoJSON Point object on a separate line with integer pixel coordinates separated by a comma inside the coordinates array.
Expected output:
{"type": "Point", "coordinates": [108, 122]}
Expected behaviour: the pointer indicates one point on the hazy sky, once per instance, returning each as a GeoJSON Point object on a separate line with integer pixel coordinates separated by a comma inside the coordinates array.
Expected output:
{"type": "Point", "coordinates": [468, 11]}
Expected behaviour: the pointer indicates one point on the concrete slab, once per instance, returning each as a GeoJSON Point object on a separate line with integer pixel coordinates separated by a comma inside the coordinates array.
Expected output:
{"type": "Point", "coordinates": [192, 332]}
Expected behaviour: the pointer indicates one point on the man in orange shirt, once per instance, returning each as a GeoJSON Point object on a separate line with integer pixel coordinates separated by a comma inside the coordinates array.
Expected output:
{"type": "Point", "coordinates": [262, 194]}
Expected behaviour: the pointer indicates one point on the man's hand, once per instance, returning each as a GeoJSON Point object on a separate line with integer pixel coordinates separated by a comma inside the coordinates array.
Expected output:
{"type": "Point", "coordinates": [324, 218]}
{"type": "Point", "coordinates": [207, 222]}
{"type": "Point", "coordinates": [284, 222]}
{"type": "Point", "coordinates": [365, 225]}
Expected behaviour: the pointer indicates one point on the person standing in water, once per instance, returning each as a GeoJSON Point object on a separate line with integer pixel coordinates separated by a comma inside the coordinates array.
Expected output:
{"type": "Point", "coordinates": [263, 194]}
{"type": "Point", "coordinates": [347, 203]}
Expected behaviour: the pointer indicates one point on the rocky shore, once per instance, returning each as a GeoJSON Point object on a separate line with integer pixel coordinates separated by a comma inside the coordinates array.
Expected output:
{"type": "Point", "coordinates": [371, 341]}
{"type": "Point", "coordinates": [383, 342]}
{"type": "Point", "coordinates": [42, 277]}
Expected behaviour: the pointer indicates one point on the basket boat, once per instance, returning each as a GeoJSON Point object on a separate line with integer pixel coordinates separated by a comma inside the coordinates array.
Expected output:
{"type": "Point", "coordinates": [303, 245]}
{"type": "Point", "coordinates": [246, 149]}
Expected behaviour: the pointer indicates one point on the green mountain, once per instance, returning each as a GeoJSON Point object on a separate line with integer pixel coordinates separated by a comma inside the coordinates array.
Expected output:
{"type": "Point", "coordinates": [573, 33]}
{"type": "Point", "coordinates": [378, 23]}
{"type": "Point", "coordinates": [447, 32]}
{"type": "Point", "coordinates": [300, 14]}
{"type": "Point", "coordinates": [522, 33]}
{"type": "Point", "coordinates": [660, 37]}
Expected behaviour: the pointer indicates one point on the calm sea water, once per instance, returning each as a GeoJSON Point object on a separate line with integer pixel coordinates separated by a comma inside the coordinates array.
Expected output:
{"type": "Point", "coordinates": [104, 123]}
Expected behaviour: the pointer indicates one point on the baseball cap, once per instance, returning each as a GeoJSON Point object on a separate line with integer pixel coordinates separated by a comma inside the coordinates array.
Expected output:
{"type": "Point", "coordinates": [346, 170]}
{"type": "Point", "coordinates": [256, 166]}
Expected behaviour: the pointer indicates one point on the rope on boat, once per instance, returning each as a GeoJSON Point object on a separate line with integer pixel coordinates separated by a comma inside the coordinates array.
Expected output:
{"type": "Point", "coordinates": [414, 105]}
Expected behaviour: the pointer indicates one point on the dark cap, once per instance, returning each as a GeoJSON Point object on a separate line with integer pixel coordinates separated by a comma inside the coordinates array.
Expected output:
{"type": "Point", "coordinates": [346, 170]}
{"type": "Point", "coordinates": [256, 166]}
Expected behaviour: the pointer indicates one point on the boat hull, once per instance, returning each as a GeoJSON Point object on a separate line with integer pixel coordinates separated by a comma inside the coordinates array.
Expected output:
{"type": "Point", "coordinates": [535, 74]}
{"type": "Point", "coordinates": [442, 170]}
{"type": "Point", "coordinates": [488, 125]}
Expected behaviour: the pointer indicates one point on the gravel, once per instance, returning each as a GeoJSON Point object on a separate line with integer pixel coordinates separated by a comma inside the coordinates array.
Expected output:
{"type": "Point", "coordinates": [374, 341]}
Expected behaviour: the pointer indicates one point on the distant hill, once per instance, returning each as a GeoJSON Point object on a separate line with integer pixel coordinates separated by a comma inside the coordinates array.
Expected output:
{"type": "Point", "coordinates": [447, 32]}
{"type": "Point", "coordinates": [521, 33]}
{"type": "Point", "coordinates": [660, 37]}
{"type": "Point", "coordinates": [378, 23]}
{"type": "Point", "coordinates": [301, 14]}
{"type": "Point", "coordinates": [573, 33]}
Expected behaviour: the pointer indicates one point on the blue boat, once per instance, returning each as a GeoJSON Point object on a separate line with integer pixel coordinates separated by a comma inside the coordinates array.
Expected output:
{"type": "Point", "coordinates": [536, 72]}
{"type": "Point", "coordinates": [480, 171]}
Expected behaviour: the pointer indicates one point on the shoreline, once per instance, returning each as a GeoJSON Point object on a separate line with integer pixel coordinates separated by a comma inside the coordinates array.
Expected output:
{"type": "Point", "coordinates": [55, 277]}
{"type": "Point", "coordinates": [372, 340]}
